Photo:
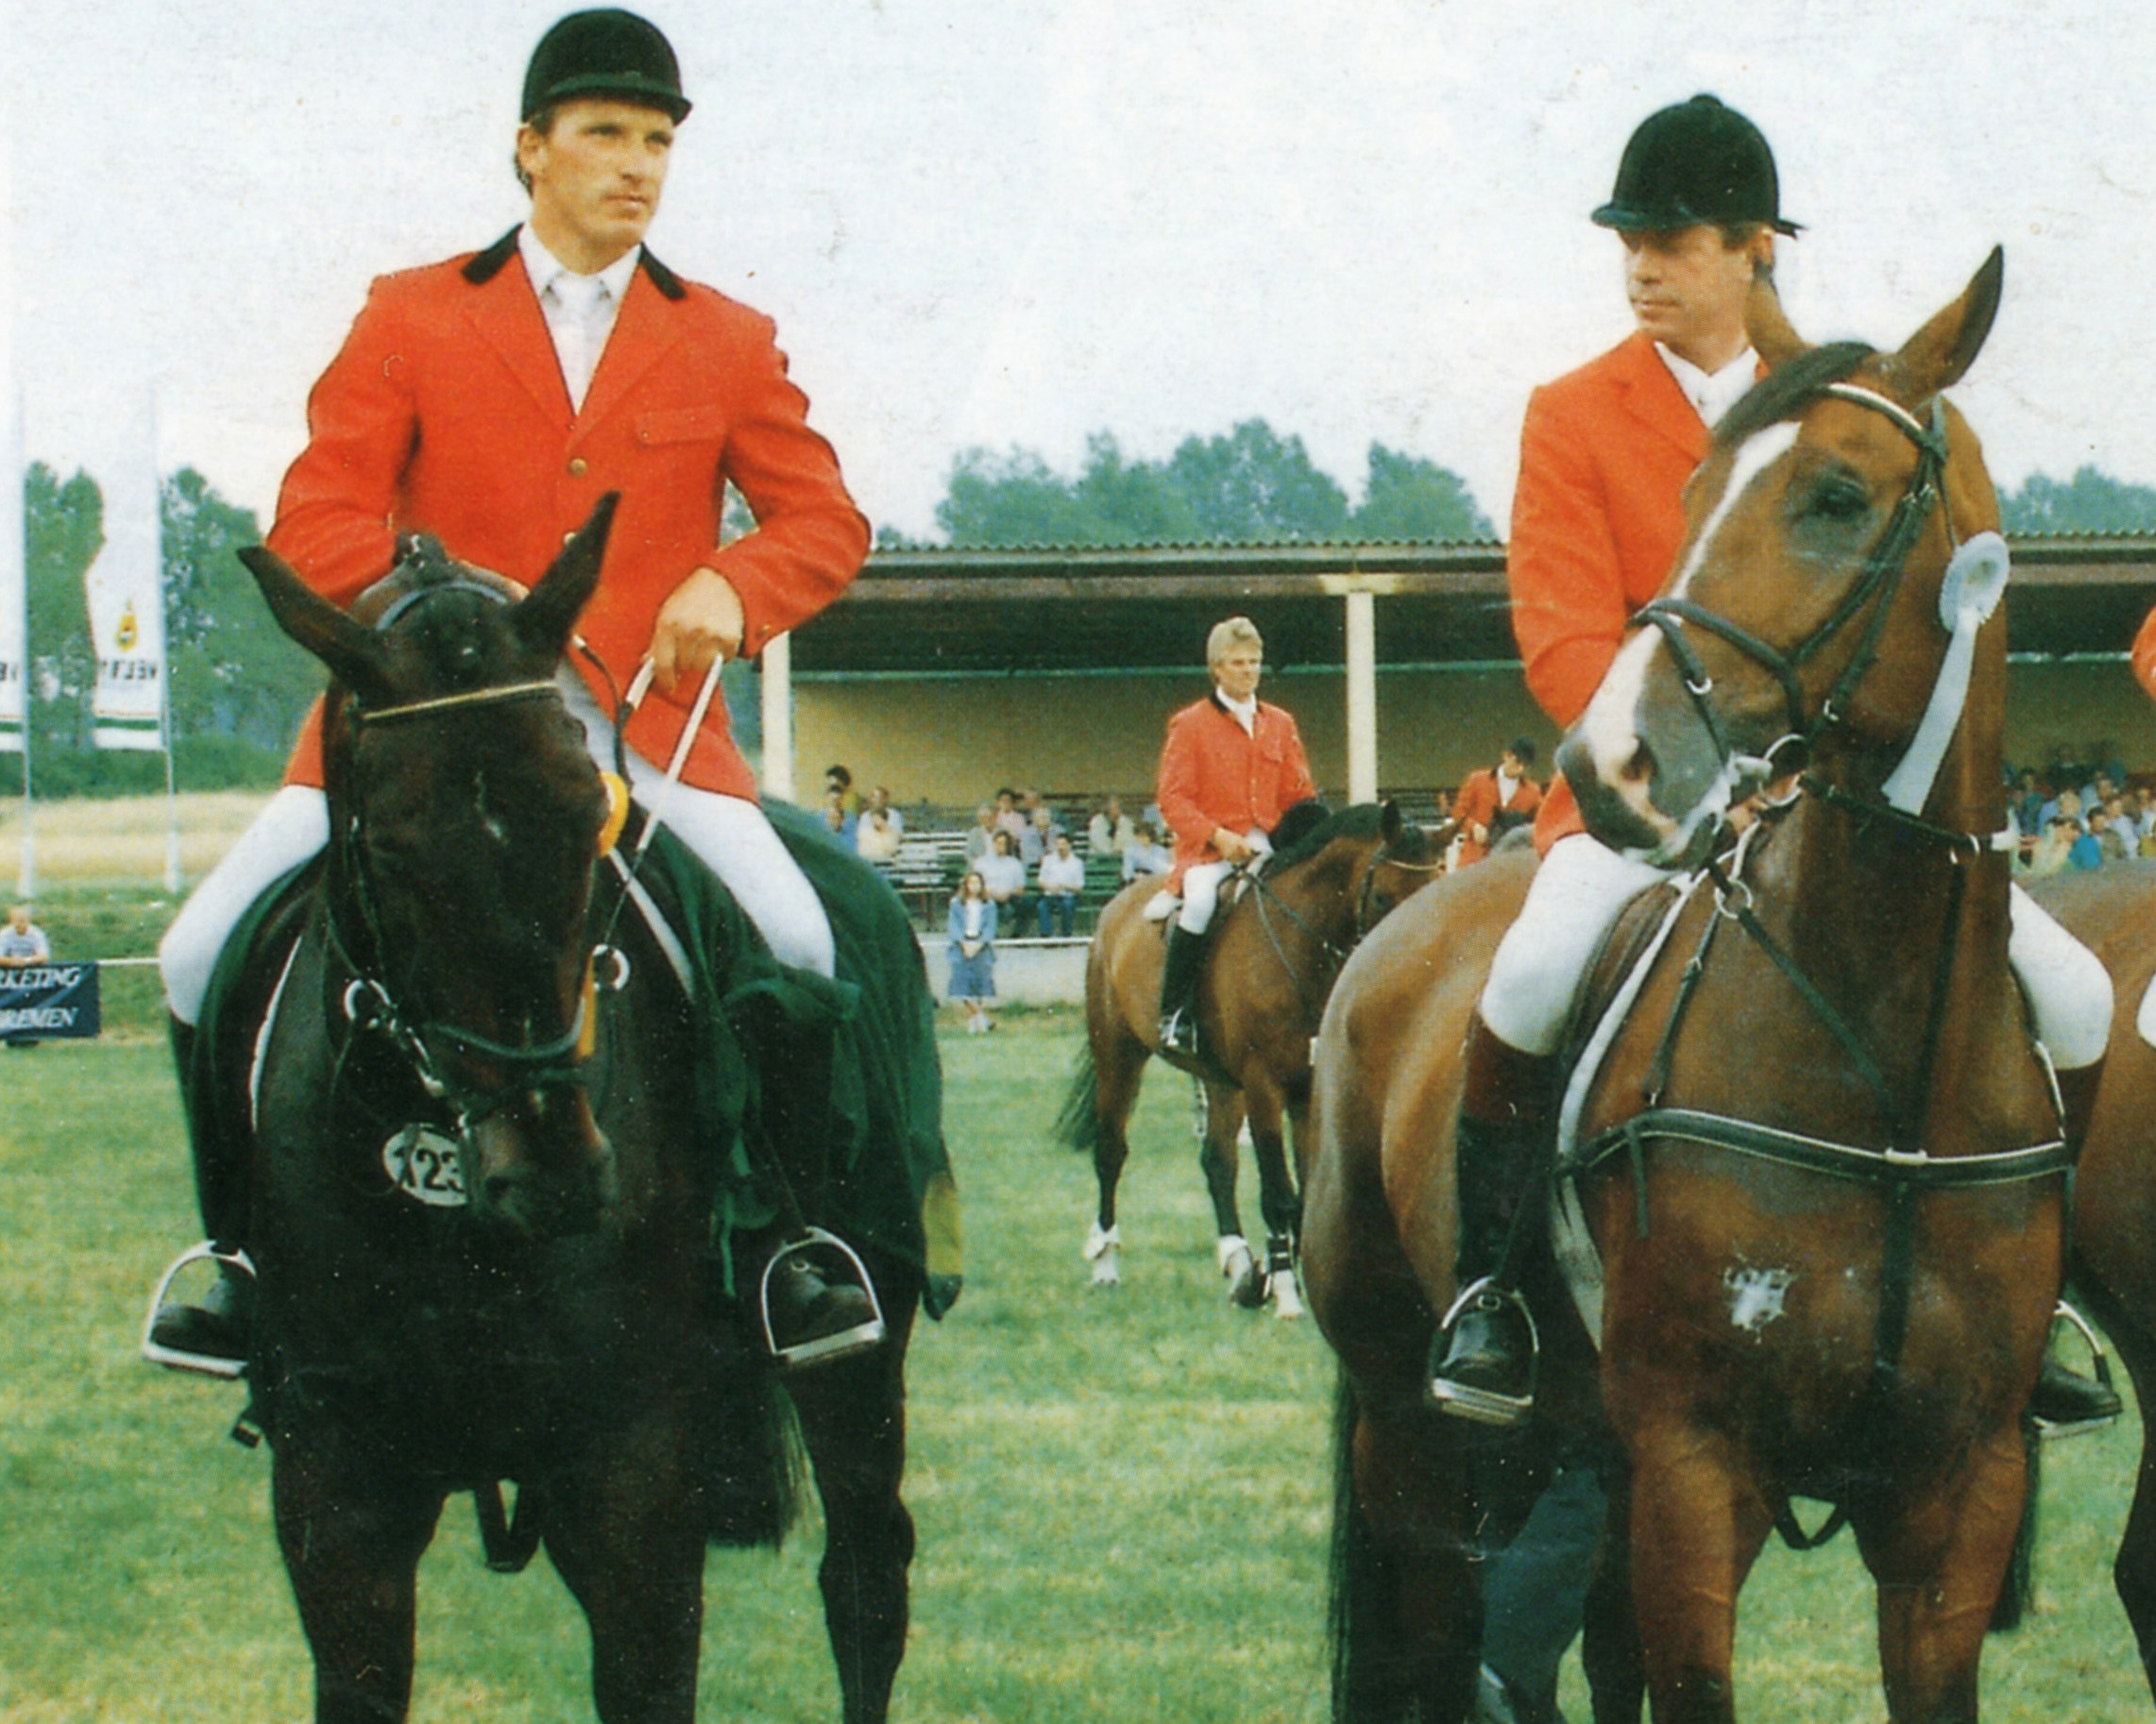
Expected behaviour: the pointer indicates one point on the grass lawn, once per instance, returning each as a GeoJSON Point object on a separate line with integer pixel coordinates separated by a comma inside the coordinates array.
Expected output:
{"type": "Point", "coordinates": [1123, 1498]}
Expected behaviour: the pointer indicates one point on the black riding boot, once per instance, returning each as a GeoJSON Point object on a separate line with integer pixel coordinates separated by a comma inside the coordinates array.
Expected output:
{"type": "Point", "coordinates": [1179, 966]}
{"type": "Point", "coordinates": [2065, 1403]}
{"type": "Point", "coordinates": [1485, 1368]}
{"type": "Point", "coordinates": [815, 1304]}
{"type": "Point", "coordinates": [213, 1335]}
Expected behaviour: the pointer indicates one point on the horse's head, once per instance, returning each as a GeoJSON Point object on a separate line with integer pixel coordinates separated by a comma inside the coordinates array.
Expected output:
{"type": "Point", "coordinates": [464, 818]}
{"type": "Point", "coordinates": [1840, 559]}
{"type": "Point", "coordinates": [1358, 864]}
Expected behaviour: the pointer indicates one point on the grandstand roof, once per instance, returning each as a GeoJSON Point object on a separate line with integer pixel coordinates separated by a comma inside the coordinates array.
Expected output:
{"type": "Point", "coordinates": [1134, 607]}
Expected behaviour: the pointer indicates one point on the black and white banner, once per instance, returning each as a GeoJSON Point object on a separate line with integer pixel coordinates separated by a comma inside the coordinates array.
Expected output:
{"type": "Point", "coordinates": [45, 1002]}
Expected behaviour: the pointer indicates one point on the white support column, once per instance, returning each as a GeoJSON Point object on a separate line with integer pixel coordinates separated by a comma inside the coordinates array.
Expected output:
{"type": "Point", "coordinates": [778, 716]}
{"type": "Point", "coordinates": [1362, 696]}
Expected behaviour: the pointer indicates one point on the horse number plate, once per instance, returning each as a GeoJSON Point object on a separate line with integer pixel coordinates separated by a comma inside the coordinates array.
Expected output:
{"type": "Point", "coordinates": [425, 1166]}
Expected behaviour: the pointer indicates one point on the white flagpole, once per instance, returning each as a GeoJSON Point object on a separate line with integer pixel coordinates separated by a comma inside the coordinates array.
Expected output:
{"type": "Point", "coordinates": [17, 661]}
{"type": "Point", "coordinates": [165, 677]}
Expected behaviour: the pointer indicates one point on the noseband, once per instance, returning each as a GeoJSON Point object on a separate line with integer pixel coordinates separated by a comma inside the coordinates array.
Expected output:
{"type": "Point", "coordinates": [1880, 580]}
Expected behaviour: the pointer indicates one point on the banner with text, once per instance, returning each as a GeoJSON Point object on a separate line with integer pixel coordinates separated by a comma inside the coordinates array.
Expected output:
{"type": "Point", "coordinates": [125, 588]}
{"type": "Point", "coordinates": [48, 1002]}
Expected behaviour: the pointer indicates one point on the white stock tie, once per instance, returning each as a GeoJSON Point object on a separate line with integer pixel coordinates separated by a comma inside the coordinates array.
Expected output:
{"type": "Point", "coordinates": [582, 334]}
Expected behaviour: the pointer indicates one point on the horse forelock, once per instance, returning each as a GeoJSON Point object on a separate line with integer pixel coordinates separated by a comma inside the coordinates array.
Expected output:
{"type": "Point", "coordinates": [1788, 388]}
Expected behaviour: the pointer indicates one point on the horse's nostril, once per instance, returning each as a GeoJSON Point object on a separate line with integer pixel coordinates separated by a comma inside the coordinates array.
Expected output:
{"type": "Point", "coordinates": [499, 1187]}
{"type": "Point", "coordinates": [1639, 768]}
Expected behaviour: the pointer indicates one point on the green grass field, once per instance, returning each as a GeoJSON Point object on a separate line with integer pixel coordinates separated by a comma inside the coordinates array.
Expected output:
{"type": "Point", "coordinates": [1123, 1498]}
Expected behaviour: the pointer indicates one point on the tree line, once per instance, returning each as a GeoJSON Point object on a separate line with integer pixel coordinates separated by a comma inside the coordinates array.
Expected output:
{"type": "Point", "coordinates": [239, 687]}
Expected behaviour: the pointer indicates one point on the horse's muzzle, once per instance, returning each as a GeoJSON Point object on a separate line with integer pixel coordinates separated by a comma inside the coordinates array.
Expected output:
{"type": "Point", "coordinates": [541, 1168]}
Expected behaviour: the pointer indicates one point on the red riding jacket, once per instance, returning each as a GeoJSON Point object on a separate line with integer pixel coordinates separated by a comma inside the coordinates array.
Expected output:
{"type": "Point", "coordinates": [446, 413]}
{"type": "Point", "coordinates": [1212, 774]}
{"type": "Point", "coordinates": [1597, 521]}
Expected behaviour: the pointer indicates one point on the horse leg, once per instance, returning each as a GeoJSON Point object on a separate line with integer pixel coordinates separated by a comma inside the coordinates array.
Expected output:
{"type": "Point", "coordinates": [625, 1533]}
{"type": "Point", "coordinates": [1408, 1610]}
{"type": "Point", "coordinates": [1697, 1527]}
{"type": "Point", "coordinates": [1610, 1640]}
{"type": "Point", "coordinates": [351, 1543]}
{"type": "Point", "coordinates": [1938, 1560]}
{"type": "Point", "coordinates": [2133, 1570]}
{"type": "Point", "coordinates": [1118, 1063]}
{"type": "Point", "coordinates": [853, 1417]}
{"type": "Point", "coordinates": [1277, 1197]}
{"type": "Point", "coordinates": [1219, 1161]}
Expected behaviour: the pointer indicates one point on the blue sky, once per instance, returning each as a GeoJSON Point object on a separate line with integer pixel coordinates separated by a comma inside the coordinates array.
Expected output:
{"type": "Point", "coordinates": [1017, 224]}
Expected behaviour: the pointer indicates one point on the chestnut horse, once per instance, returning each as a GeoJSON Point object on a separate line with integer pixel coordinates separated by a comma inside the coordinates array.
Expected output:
{"type": "Point", "coordinates": [1273, 952]}
{"type": "Point", "coordinates": [548, 1310]}
{"type": "Point", "coordinates": [1817, 1151]}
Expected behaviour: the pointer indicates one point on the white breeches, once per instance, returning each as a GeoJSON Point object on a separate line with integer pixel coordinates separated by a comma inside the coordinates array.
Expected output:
{"type": "Point", "coordinates": [1202, 886]}
{"type": "Point", "coordinates": [290, 830]}
{"type": "Point", "coordinates": [728, 834]}
{"type": "Point", "coordinates": [1583, 885]}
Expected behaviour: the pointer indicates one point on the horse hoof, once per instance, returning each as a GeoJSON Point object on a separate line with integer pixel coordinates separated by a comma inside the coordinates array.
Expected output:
{"type": "Point", "coordinates": [1104, 1271]}
{"type": "Point", "coordinates": [1239, 1268]}
{"type": "Point", "coordinates": [1287, 1301]}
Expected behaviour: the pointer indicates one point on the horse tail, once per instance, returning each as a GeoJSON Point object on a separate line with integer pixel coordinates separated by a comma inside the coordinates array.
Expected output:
{"type": "Point", "coordinates": [1361, 1608]}
{"type": "Point", "coordinates": [755, 1468]}
{"type": "Point", "coordinates": [1078, 1121]}
{"type": "Point", "coordinates": [2018, 1590]}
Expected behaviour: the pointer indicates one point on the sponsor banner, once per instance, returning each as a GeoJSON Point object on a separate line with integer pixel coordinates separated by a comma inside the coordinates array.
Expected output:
{"type": "Point", "coordinates": [15, 586]}
{"type": "Point", "coordinates": [48, 1002]}
{"type": "Point", "coordinates": [124, 588]}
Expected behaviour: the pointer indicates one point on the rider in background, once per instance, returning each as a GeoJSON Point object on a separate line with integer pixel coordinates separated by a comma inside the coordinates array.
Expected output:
{"type": "Point", "coordinates": [492, 400]}
{"type": "Point", "coordinates": [1597, 522]}
{"type": "Point", "coordinates": [1232, 765]}
{"type": "Point", "coordinates": [1495, 800]}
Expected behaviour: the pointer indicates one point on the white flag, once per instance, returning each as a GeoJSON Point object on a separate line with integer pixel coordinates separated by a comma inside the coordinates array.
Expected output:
{"type": "Point", "coordinates": [126, 589]}
{"type": "Point", "coordinates": [14, 587]}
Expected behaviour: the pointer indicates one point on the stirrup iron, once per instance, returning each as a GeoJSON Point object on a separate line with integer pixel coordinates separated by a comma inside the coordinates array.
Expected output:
{"type": "Point", "coordinates": [205, 1364]}
{"type": "Point", "coordinates": [2099, 1367]}
{"type": "Point", "coordinates": [1487, 1405]}
{"type": "Point", "coordinates": [859, 1338]}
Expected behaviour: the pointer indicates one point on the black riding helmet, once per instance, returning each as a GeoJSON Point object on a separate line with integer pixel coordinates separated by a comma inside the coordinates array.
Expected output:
{"type": "Point", "coordinates": [604, 53]}
{"type": "Point", "coordinates": [1696, 162]}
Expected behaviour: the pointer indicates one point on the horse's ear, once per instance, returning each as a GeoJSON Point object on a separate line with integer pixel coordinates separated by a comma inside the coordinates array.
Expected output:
{"type": "Point", "coordinates": [1937, 355]}
{"type": "Point", "coordinates": [351, 651]}
{"type": "Point", "coordinates": [546, 615]}
{"type": "Point", "coordinates": [1767, 325]}
{"type": "Point", "coordinates": [1390, 825]}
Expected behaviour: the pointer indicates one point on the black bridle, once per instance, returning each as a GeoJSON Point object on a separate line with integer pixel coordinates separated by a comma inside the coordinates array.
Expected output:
{"type": "Point", "coordinates": [439, 1051]}
{"type": "Point", "coordinates": [1874, 587]}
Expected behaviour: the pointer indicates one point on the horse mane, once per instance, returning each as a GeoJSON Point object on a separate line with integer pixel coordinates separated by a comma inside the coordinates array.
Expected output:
{"type": "Point", "coordinates": [1363, 821]}
{"type": "Point", "coordinates": [1782, 391]}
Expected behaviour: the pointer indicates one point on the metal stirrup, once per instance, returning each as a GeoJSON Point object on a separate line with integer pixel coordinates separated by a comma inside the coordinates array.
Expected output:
{"type": "Point", "coordinates": [856, 1340]}
{"type": "Point", "coordinates": [207, 1365]}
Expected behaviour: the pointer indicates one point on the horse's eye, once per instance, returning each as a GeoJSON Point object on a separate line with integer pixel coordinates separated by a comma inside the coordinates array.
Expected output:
{"type": "Point", "coordinates": [1838, 497]}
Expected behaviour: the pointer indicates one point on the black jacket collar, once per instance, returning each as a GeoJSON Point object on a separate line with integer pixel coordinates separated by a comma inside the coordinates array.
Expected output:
{"type": "Point", "coordinates": [482, 267]}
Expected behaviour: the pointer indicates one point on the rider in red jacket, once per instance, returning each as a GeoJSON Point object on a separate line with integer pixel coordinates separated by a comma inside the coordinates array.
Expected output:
{"type": "Point", "coordinates": [1598, 518]}
{"type": "Point", "coordinates": [491, 401]}
{"type": "Point", "coordinates": [1232, 765]}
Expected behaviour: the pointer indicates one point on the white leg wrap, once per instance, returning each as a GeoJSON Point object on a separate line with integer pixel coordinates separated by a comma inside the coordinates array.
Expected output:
{"type": "Point", "coordinates": [2069, 989]}
{"type": "Point", "coordinates": [730, 836]}
{"type": "Point", "coordinates": [1576, 895]}
{"type": "Point", "coordinates": [292, 827]}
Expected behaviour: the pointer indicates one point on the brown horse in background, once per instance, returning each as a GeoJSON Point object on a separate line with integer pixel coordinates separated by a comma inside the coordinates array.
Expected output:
{"type": "Point", "coordinates": [1817, 1154]}
{"type": "Point", "coordinates": [1273, 950]}
{"type": "Point", "coordinates": [2113, 910]}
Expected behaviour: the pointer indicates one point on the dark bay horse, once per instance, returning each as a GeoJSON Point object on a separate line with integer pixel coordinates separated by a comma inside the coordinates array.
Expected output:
{"type": "Point", "coordinates": [1273, 952]}
{"type": "Point", "coordinates": [527, 1291]}
{"type": "Point", "coordinates": [1817, 1155]}
{"type": "Point", "coordinates": [2113, 910]}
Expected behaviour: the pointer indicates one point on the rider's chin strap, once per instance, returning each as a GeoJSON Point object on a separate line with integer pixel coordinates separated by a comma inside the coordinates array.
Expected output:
{"type": "Point", "coordinates": [1974, 584]}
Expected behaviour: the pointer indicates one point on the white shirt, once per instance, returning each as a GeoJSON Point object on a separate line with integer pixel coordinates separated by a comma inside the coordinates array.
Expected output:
{"type": "Point", "coordinates": [579, 309]}
{"type": "Point", "coordinates": [1712, 393]}
{"type": "Point", "coordinates": [1244, 712]}
{"type": "Point", "coordinates": [1068, 872]}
